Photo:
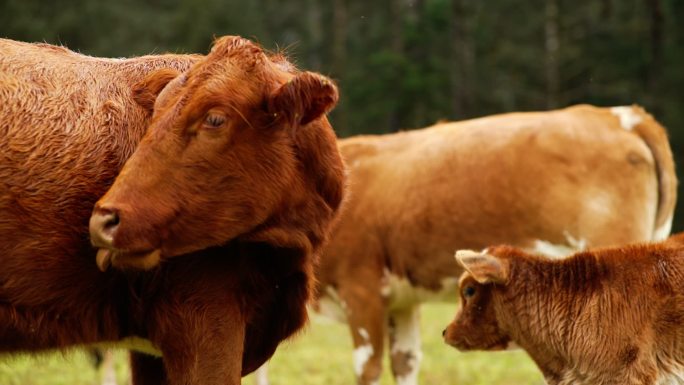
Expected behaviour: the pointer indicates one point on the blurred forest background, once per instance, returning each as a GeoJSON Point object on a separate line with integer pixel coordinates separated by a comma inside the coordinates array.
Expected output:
{"type": "Point", "coordinates": [405, 64]}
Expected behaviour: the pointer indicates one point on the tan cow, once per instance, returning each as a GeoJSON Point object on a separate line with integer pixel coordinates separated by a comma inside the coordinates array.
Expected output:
{"type": "Point", "coordinates": [608, 316]}
{"type": "Point", "coordinates": [552, 182]}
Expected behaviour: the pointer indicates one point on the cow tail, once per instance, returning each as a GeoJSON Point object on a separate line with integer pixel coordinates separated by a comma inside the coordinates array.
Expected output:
{"type": "Point", "coordinates": [655, 137]}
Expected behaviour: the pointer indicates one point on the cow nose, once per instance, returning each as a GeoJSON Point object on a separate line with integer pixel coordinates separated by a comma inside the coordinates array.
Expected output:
{"type": "Point", "coordinates": [103, 225]}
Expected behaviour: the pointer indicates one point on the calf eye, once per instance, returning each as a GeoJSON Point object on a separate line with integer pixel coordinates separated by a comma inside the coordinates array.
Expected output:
{"type": "Point", "coordinates": [214, 120]}
{"type": "Point", "coordinates": [469, 291]}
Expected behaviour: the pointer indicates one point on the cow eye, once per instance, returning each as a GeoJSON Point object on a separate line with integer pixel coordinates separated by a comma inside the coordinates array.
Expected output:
{"type": "Point", "coordinates": [468, 291]}
{"type": "Point", "coordinates": [214, 120]}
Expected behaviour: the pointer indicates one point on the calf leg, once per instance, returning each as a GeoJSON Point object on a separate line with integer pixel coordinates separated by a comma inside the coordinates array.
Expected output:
{"type": "Point", "coordinates": [404, 338]}
{"type": "Point", "coordinates": [366, 316]}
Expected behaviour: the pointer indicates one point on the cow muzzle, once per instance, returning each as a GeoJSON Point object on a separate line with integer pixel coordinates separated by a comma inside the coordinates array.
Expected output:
{"type": "Point", "coordinates": [104, 225]}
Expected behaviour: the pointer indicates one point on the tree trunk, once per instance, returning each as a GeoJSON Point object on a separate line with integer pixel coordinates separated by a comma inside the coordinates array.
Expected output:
{"type": "Point", "coordinates": [396, 15]}
{"type": "Point", "coordinates": [315, 34]}
{"type": "Point", "coordinates": [460, 61]}
{"type": "Point", "coordinates": [606, 9]}
{"type": "Point", "coordinates": [339, 61]}
{"type": "Point", "coordinates": [552, 46]}
{"type": "Point", "coordinates": [655, 66]}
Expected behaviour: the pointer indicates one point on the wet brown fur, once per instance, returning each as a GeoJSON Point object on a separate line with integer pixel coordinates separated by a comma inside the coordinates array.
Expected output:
{"type": "Point", "coordinates": [605, 316]}
{"type": "Point", "coordinates": [69, 122]}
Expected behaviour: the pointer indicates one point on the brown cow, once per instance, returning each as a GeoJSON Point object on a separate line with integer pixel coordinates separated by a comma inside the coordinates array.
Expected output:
{"type": "Point", "coordinates": [605, 316]}
{"type": "Point", "coordinates": [548, 181]}
{"type": "Point", "coordinates": [239, 160]}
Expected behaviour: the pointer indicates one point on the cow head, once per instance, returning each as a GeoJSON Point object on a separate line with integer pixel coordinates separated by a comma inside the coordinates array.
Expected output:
{"type": "Point", "coordinates": [476, 326]}
{"type": "Point", "coordinates": [238, 148]}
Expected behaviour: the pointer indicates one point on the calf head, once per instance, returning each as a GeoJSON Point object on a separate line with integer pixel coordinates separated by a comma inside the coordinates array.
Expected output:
{"type": "Point", "coordinates": [238, 148]}
{"type": "Point", "coordinates": [476, 326]}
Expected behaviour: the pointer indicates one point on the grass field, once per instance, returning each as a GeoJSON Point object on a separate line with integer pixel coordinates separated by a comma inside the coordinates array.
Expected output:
{"type": "Point", "coordinates": [319, 356]}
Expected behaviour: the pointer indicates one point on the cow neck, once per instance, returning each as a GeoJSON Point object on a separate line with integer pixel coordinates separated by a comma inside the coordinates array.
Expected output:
{"type": "Point", "coordinates": [543, 302]}
{"type": "Point", "coordinates": [141, 66]}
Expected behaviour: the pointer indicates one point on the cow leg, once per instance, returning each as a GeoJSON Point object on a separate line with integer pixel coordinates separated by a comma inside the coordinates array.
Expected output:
{"type": "Point", "coordinates": [405, 351]}
{"type": "Point", "coordinates": [107, 369]}
{"type": "Point", "coordinates": [147, 370]}
{"type": "Point", "coordinates": [366, 316]}
{"type": "Point", "coordinates": [204, 343]}
{"type": "Point", "coordinates": [261, 375]}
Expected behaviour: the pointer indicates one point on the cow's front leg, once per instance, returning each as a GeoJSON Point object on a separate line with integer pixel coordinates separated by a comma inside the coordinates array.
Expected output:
{"type": "Point", "coordinates": [405, 350]}
{"type": "Point", "coordinates": [203, 343]}
{"type": "Point", "coordinates": [366, 314]}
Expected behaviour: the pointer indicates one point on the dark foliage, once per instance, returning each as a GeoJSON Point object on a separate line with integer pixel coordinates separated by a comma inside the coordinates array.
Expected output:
{"type": "Point", "coordinates": [404, 64]}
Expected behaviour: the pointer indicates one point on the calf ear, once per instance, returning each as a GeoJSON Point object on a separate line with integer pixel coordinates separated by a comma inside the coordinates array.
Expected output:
{"type": "Point", "coordinates": [305, 98]}
{"type": "Point", "coordinates": [145, 92]}
{"type": "Point", "coordinates": [485, 268]}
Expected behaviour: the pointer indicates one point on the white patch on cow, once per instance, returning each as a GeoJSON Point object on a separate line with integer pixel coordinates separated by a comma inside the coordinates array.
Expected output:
{"type": "Point", "coordinates": [671, 371]}
{"type": "Point", "coordinates": [330, 305]}
{"type": "Point", "coordinates": [401, 294]}
{"type": "Point", "coordinates": [261, 375]}
{"type": "Point", "coordinates": [560, 251]}
{"type": "Point", "coordinates": [108, 370]}
{"type": "Point", "coordinates": [405, 340]}
{"type": "Point", "coordinates": [406, 330]}
{"type": "Point", "coordinates": [662, 232]}
{"type": "Point", "coordinates": [361, 356]}
{"type": "Point", "coordinates": [551, 250]}
{"type": "Point", "coordinates": [671, 379]}
{"type": "Point", "coordinates": [575, 243]}
{"type": "Point", "coordinates": [364, 334]}
{"type": "Point", "coordinates": [628, 117]}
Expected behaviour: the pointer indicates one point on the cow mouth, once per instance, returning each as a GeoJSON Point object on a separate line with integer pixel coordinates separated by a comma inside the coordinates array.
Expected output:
{"type": "Point", "coordinates": [141, 260]}
{"type": "Point", "coordinates": [464, 345]}
{"type": "Point", "coordinates": [498, 345]}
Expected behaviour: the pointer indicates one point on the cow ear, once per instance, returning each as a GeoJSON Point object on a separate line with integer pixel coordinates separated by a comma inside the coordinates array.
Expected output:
{"type": "Point", "coordinates": [485, 268]}
{"type": "Point", "coordinates": [145, 92]}
{"type": "Point", "coordinates": [305, 98]}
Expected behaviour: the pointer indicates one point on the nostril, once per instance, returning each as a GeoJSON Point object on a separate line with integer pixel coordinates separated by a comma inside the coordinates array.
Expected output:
{"type": "Point", "coordinates": [110, 221]}
{"type": "Point", "coordinates": [103, 225]}
{"type": "Point", "coordinates": [443, 332]}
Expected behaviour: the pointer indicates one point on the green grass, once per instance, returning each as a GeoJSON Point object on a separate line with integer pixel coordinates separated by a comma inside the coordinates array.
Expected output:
{"type": "Point", "coordinates": [71, 368]}
{"type": "Point", "coordinates": [321, 355]}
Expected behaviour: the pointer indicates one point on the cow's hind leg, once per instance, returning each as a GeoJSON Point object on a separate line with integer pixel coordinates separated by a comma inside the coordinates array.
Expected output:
{"type": "Point", "coordinates": [108, 372]}
{"type": "Point", "coordinates": [366, 315]}
{"type": "Point", "coordinates": [261, 375]}
{"type": "Point", "coordinates": [404, 338]}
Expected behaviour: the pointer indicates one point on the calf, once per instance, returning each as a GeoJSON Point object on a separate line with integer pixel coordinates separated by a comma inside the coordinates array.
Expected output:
{"type": "Point", "coordinates": [212, 226]}
{"type": "Point", "coordinates": [606, 316]}
{"type": "Point", "coordinates": [552, 182]}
